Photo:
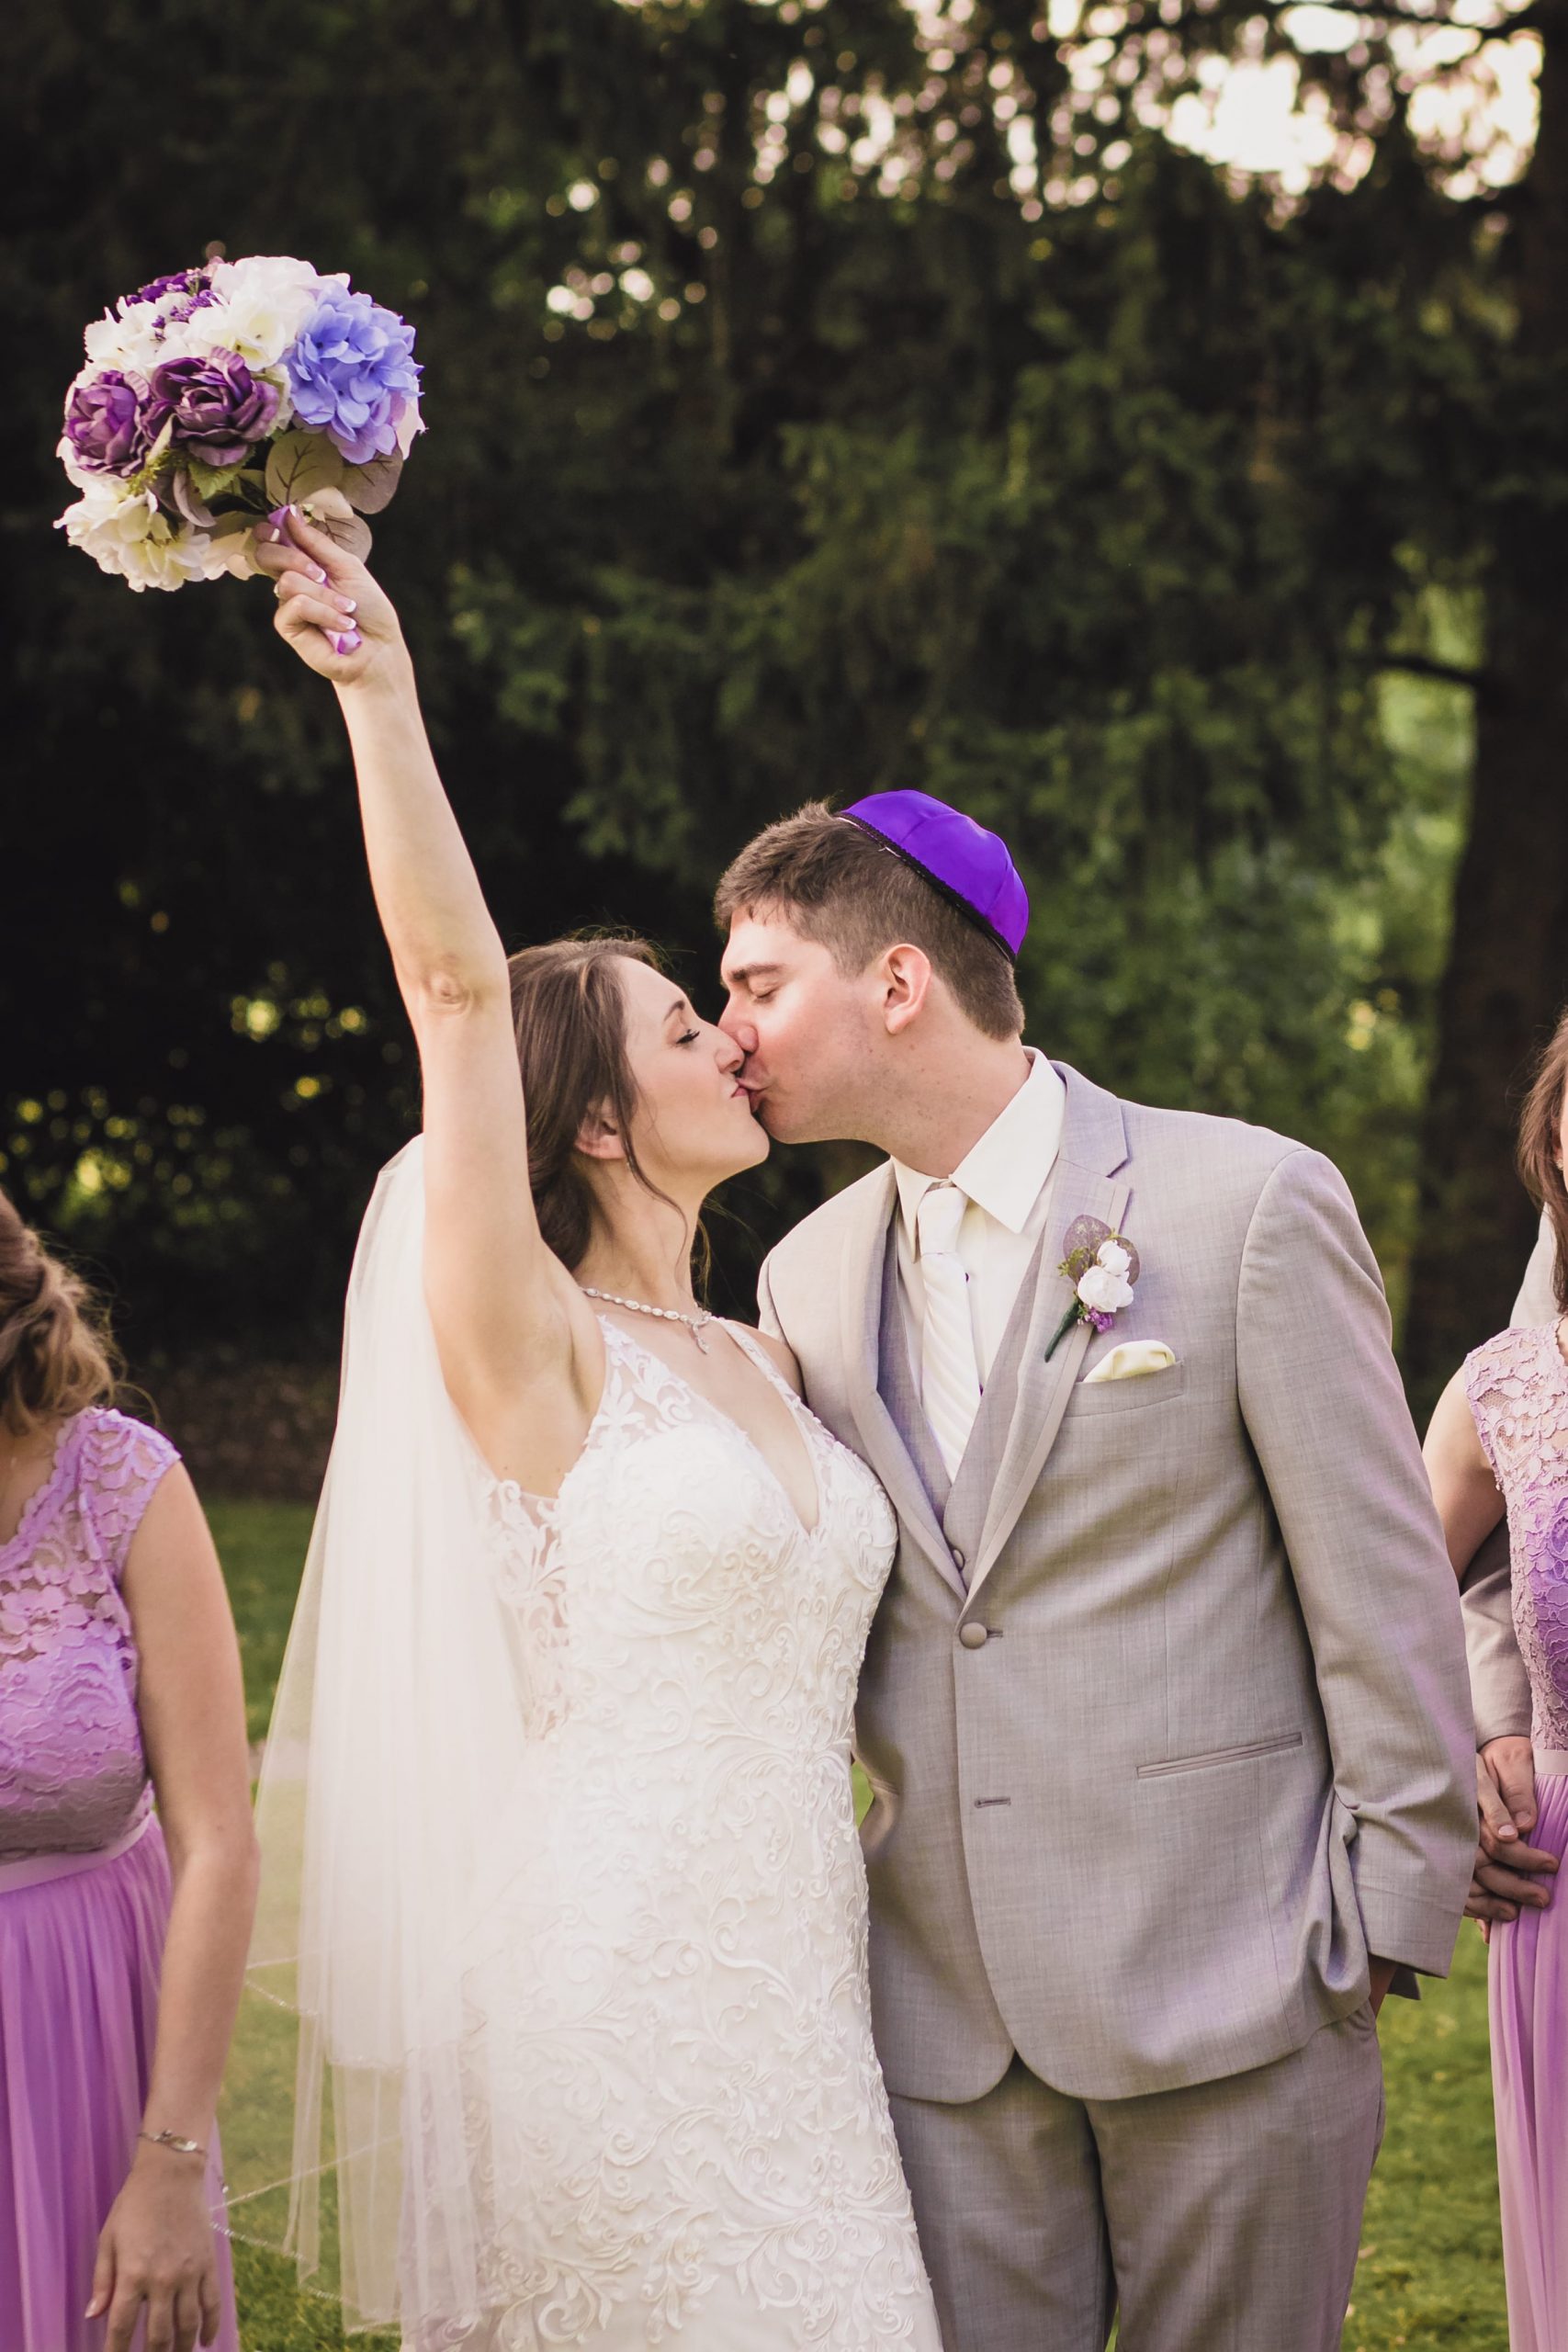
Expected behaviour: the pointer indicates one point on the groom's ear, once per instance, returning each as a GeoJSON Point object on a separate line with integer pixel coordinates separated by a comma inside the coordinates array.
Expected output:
{"type": "Point", "coordinates": [903, 975]}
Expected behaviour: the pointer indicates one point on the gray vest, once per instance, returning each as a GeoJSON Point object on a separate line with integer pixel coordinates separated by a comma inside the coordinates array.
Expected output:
{"type": "Point", "coordinates": [960, 1503]}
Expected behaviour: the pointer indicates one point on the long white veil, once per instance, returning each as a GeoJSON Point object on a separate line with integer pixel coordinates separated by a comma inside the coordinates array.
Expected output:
{"type": "Point", "coordinates": [357, 2125]}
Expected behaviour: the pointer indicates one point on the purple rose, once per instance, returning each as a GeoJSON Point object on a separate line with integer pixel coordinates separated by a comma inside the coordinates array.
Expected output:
{"type": "Point", "coordinates": [193, 282]}
{"type": "Point", "coordinates": [354, 374]}
{"type": "Point", "coordinates": [107, 425]}
{"type": "Point", "coordinates": [219, 411]}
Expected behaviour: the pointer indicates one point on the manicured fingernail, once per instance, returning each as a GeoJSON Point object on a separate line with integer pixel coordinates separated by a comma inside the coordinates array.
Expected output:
{"type": "Point", "coordinates": [349, 642]}
{"type": "Point", "coordinates": [278, 517]}
{"type": "Point", "coordinates": [351, 604]}
{"type": "Point", "coordinates": [317, 574]}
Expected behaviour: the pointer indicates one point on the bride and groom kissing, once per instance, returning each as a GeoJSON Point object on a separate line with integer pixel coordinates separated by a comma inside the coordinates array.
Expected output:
{"type": "Point", "coordinates": [1141, 1617]}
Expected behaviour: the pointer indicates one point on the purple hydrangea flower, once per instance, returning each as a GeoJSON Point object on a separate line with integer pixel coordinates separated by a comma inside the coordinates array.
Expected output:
{"type": "Point", "coordinates": [219, 410]}
{"type": "Point", "coordinates": [354, 374]}
{"type": "Point", "coordinates": [106, 422]}
{"type": "Point", "coordinates": [195, 282]}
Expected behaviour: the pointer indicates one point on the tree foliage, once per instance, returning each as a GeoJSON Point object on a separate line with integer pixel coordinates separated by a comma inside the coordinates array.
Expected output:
{"type": "Point", "coordinates": [822, 398]}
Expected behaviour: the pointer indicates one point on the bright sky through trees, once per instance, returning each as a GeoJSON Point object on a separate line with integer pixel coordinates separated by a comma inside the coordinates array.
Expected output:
{"type": "Point", "coordinates": [1470, 83]}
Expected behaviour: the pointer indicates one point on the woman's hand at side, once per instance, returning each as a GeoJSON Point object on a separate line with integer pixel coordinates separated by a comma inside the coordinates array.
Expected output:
{"type": "Point", "coordinates": [157, 2250]}
{"type": "Point", "coordinates": [1509, 1874]}
{"type": "Point", "coordinates": [156, 2254]}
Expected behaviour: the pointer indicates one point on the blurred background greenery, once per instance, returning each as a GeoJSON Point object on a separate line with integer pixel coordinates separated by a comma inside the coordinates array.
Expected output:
{"type": "Point", "coordinates": [824, 395]}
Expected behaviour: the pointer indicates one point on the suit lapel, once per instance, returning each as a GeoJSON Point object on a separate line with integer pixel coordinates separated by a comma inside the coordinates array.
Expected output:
{"type": "Point", "coordinates": [862, 1270]}
{"type": "Point", "coordinates": [1093, 1148]}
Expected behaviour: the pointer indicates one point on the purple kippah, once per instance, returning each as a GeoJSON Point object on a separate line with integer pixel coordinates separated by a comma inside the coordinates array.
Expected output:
{"type": "Point", "coordinates": [970, 867]}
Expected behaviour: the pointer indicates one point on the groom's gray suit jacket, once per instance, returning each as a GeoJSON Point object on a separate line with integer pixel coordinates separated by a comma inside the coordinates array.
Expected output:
{"type": "Point", "coordinates": [1215, 1746]}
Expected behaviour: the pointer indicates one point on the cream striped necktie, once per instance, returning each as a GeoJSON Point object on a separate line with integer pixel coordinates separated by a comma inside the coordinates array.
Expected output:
{"type": "Point", "coordinates": [950, 1379]}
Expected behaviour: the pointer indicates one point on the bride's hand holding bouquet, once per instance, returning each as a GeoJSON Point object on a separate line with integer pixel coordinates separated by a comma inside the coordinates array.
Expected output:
{"type": "Point", "coordinates": [341, 623]}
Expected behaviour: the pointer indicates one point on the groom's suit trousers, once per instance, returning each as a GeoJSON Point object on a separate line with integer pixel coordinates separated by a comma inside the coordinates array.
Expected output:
{"type": "Point", "coordinates": [1225, 2216]}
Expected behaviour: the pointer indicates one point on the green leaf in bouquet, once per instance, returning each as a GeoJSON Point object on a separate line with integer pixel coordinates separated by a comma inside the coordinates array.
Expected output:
{"type": "Point", "coordinates": [212, 482]}
{"type": "Point", "coordinates": [299, 464]}
{"type": "Point", "coordinates": [330, 511]}
{"type": "Point", "coordinates": [370, 488]}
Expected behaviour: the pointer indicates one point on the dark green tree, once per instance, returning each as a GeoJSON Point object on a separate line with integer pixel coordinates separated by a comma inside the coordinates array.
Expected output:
{"type": "Point", "coordinates": [822, 398]}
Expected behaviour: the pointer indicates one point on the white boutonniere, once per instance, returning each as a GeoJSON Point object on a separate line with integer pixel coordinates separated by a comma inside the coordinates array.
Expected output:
{"type": "Point", "coordinates": [1103, 1267]}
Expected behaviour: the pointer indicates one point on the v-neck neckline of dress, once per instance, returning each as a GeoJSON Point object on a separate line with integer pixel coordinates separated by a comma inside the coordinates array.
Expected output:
{"type": "Point", "coordinates": [33, 1505]}
{"type": "Point", "coordinates": [791, 1406]}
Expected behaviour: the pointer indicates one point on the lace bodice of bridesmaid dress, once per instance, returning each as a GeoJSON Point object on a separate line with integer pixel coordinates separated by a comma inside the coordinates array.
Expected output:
{"type": "Point", "coordinates": [72, 1774]}
{"type": "Point", "coordinates": [695, 2145]}
{"type": "Point", "coordinates": [1517, 1386]}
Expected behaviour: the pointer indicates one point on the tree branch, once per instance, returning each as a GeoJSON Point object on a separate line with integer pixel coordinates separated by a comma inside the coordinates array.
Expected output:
{"type": "Point", "coordinates": [1422, 666]}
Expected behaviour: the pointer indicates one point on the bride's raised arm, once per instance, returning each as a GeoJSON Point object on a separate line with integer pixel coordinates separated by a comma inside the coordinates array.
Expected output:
{"type": "Point", "coordinates": [508, 1318]}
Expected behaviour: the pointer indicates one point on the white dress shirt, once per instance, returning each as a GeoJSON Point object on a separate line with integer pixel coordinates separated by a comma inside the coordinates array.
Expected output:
{"type": "Point", "coordinates": [1007, 1177]}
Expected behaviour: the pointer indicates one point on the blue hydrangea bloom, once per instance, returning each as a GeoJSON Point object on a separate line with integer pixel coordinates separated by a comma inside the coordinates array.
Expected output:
{"type": "Point", "coordinates": [354, 374]}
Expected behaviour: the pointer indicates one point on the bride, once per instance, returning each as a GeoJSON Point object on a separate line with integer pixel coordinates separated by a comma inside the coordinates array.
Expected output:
{"type": "Point", "coordinates": [561, 1873]}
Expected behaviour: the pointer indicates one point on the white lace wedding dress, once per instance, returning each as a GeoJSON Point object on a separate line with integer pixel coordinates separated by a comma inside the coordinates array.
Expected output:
{"type": "Point", "coordinates": [691, 2145]}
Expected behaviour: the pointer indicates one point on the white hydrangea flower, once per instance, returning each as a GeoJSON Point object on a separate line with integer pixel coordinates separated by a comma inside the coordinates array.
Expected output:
{"type": "Point", "coordinates": [1105, 1290]}
{"type": "Point", "coordinates": [1112, 1255]}
{"type": "Point", "coordinates": [126, 533]}
{"type": "Point", "coordinates": [260, 308]}
{"type": "Point", "coordinates": [126, 341]}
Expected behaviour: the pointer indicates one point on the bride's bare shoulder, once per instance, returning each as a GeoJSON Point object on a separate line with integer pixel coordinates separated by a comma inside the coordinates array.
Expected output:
{"type": "Point", "coordinates": [780, 1353]}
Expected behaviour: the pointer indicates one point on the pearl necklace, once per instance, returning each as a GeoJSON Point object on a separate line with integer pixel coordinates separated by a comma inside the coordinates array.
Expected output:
{"type": "Point", "coordinates": [696, 1324]}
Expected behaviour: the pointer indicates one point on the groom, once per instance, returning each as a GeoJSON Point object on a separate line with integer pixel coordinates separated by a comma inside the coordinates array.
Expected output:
{"type": "Point", "coordinates": [1165, 1707]}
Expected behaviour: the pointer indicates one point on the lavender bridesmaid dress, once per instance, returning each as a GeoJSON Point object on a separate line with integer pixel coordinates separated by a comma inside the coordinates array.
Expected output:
{"type": "Point", "coordinates": [1517, 1386]}
{"type": "Point", "coordinates": [84, 1885]}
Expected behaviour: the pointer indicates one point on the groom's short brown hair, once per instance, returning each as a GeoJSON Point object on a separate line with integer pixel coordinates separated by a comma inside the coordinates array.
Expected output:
{"type": "Point", "coordinates": [839, 884]}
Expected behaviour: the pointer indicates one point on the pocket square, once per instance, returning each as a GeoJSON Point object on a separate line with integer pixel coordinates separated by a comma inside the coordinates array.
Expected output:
{"type": "Point", "coordinates": [1130, 1360]}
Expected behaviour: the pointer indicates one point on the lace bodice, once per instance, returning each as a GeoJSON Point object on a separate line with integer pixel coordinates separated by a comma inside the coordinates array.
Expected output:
{"type": "Point", "coordinates": [1517, 1386]}
{"type": "Point", "coordinates": [669, 1971]}
{"type": "Point", "coordinates": [72, 1774]}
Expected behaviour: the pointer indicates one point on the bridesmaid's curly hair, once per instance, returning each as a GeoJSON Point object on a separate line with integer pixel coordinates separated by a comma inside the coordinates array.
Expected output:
{"type": "Point", "coordinates": [1540, 1149]}
{"type": "Point", "coordinates": [56, 1354]}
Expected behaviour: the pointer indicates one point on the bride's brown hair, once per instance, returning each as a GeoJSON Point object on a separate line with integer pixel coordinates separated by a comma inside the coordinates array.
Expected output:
{"type": "Point", "coordinates": [56, 1354]}
{"type": "Point", "coordinates": [1540, 1149]}
{"type": "Point", "coordinates": [569, 1016]}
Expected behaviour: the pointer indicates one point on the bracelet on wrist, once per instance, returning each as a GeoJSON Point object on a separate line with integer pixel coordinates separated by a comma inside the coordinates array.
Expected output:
{"type": "Point", "coordinates": [172, 2140]}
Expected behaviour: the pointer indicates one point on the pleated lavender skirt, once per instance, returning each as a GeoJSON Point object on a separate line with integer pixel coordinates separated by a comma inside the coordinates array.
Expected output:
{"type": "Point", "coordinates": [1529, 1999]}
{"type": "Point", "coordinates": [81, 1946]}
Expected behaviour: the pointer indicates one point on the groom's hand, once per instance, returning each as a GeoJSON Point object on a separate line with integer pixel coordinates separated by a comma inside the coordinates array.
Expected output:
{"type": "Point", "coordinates": [1383, 1973]}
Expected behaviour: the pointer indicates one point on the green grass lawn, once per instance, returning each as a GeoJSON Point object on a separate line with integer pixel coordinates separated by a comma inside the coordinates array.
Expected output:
{"type": "Point", "coordinates": [1430, 2275]}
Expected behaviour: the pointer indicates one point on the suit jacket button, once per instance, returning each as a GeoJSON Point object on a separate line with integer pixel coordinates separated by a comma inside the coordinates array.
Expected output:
{"type": "Point", "coordinates": [958, 1559]}
{"type": "Point", "coordinates": [973, 1637]}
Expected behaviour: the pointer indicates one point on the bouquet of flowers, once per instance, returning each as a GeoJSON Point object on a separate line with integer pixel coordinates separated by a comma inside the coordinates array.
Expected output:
{"type": "Point", "coordinates": [213, 397]}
